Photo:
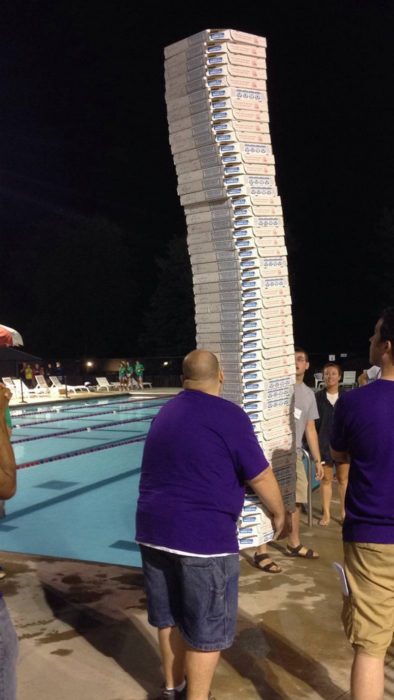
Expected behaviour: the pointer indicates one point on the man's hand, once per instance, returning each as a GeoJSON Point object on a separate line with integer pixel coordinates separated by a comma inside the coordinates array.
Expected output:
{"type": "Point", "coordinates": [282, 526]}
{"type": "Point", "coordinates": [266, 487]}
{"type": "Point", "coordinates": [319, 471]}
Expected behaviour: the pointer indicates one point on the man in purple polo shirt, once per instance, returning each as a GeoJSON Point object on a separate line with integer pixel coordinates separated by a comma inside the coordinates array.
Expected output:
{"type": "Point", "coordinates": [199, 453]}
{"type": "Point", "coordinates": [364, 431]}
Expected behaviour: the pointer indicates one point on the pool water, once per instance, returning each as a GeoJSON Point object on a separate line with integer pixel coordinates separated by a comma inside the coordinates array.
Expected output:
{"type": "Point", "coordinates": [78, 474]}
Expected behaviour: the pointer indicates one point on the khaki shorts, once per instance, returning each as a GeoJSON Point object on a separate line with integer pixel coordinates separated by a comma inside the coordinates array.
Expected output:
{"type": "Point", "coordinates": [368, 612]}
{"type": "Point", "coordinates": [301, 482]}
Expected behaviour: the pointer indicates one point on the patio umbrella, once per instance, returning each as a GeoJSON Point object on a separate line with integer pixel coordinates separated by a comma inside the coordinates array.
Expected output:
{"type": "Point", "coordinates": [9, 337]}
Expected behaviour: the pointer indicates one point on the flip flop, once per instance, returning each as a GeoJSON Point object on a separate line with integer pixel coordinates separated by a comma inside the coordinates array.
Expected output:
{"type": "Point", "coordinates": [296, 552]}
{"type": "Point", "coordinates": [271, 568]}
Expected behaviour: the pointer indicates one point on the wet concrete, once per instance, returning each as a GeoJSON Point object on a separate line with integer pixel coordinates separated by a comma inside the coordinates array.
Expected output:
{"type": "Point", "coordinates": [83, 630]}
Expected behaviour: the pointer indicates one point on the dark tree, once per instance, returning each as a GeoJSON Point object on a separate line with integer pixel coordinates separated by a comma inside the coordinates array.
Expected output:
{"type": "Point", "coordinates": [169, 327]}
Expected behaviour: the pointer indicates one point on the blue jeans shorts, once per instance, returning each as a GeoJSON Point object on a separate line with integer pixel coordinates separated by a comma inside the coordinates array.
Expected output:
{"type": "Point", "coordinates": [199, 595]}
{"type": "Point", "coordinates": [8, 655]}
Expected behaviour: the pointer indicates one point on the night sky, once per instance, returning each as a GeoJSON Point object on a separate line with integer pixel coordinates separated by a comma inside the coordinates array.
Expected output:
{"type": "Point", "coordinates": [88, 187]}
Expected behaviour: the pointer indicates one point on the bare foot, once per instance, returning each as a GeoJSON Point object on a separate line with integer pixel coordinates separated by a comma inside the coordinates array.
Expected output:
{"type": "Point", "coordinates": [324, 521]}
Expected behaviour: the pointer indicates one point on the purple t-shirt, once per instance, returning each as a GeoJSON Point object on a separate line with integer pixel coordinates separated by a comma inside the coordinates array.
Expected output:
{"type": "Point", "coordinates": [199, 452]}
{"type": "Point", "coordinates": [364, 427]}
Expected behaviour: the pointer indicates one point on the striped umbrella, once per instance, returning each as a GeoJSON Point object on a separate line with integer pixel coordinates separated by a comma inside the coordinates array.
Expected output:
{"type": "Point", "coordinates": [9, 337]}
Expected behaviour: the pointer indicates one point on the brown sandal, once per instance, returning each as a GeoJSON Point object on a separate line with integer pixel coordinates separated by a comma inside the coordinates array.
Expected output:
{"type": "Point", "coordinates": [271, 568]}
{"type": "Point", "coordinates": [296, 552]}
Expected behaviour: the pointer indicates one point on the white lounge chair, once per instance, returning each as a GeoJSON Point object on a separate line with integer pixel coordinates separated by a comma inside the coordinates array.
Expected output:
{"type": "Point", "coordinates": [21, 389]}
{"type": "Point", "coordinates": [103, 383]}
{"type": "Point", "coordinates": [42, 383]}
{"type": "Point", "coordinates": [349, 379]}
{"type": "Point", "coordinates": [319, 383]}
{"type": "Point", "coordinates": [7, 381]}
{"type": "Point", "coordinates": [71, 388]}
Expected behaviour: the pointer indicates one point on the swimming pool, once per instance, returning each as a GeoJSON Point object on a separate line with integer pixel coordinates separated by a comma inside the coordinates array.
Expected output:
{"type": "Point", "coordinates": [78, 474]}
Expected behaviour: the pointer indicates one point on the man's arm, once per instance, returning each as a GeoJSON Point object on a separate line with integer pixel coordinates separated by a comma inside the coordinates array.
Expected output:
{"type": "Point", "coordinates": [266, 487]}
{"type": "Point", "coordinates": [313, 444]}
{"type": "Point", "coordinates": [7, 457]}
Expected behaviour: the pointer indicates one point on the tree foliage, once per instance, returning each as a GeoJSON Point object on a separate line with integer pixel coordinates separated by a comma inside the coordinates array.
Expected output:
{"type": "Point", "coordinates": [169, 327]}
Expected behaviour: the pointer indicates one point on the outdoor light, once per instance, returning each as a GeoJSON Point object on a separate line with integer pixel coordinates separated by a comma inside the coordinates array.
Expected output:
{"type": "Point", "coordinates": [165, 364]}
{"type": "Point", "coordinates": [89, 364]}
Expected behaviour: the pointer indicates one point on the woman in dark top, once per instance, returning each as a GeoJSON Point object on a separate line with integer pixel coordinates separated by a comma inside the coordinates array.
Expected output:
{"type": "Point", "coordinates": [326, 399]}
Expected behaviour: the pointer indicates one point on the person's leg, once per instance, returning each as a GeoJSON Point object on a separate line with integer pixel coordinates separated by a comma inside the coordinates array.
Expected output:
{"type": "Point", "coordinates": [294, 536]}
{"type": "Point", "coordinates": [368, 614]}
{"type": "Point", "coordinates": [163, 598]}
{"type": "Point", "coordinates": [172, 649]}
{"type": "Point", "coordinates": [301, 497]}
{"type": "Point", "coordinates": [200, 669]}
{"type": "Point", "coordinates": [264, 562]}
{"type": "Point", "coordinates": [326, 494]}
{"type": "Point", "coordinates": [210, 604]}
{"type": "Point", "coordinates": [343, 477]}
{"type": "Point", "coordinates": [8, 655]}
{"type": "Point", "coordinates": [294, 547]}
{"type": "Point", "coordinates": [367, 679]}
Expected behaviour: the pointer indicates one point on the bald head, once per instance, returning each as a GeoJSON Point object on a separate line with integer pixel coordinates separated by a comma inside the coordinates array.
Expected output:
{"type": "Point", "coordinates": [201, 371]}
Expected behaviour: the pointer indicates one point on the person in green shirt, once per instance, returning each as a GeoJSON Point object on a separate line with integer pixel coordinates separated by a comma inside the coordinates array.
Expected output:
{"type": "Point", "coordinates": [122, 375]}
{"type": "Point", "coordinates": [8, 420]}
{"type": "Point", "coordinates": [129, 374]}
{"type": "Point", "coordinates": [139, 373]}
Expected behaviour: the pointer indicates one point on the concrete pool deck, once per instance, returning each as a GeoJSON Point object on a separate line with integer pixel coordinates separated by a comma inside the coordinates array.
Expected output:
{"type": "Point", "coordinates": [83, 629]}
{"type": "Point", "coordinates": [56, 397]}
{"type": "Point", "coordinates": [84, 634]}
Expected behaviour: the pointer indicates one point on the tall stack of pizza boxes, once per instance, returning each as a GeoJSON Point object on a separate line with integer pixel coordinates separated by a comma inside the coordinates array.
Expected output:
{"type": "Point", "coordinates": [220, 140]}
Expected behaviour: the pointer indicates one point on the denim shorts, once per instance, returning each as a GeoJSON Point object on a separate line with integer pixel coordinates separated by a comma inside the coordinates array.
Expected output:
{"type": "Point", "coordinates": [8, 655]}
{"type": "Point", "coordinates": [199, 595]}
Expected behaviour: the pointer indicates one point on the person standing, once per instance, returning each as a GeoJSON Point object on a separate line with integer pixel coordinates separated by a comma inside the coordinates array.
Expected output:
{"type": "Point", "coordinates": [122, 375]}
{"type": "Point", "coordinates": [128, 374]}
{"type": "Point", "coordinates": [29, 376]}
{"type": "Point", "coordinates": [305, 414]}
{"type": "Point", "coordinates": [326, 400]}
{"type": "Point", "coordinates": [363, 432]}
{"type": "Point", "coordinates": [139, 373]}
{"type": "Point", "coordinates": [8, 421]}
{"type": "Point", "coordinates": [199, 454]}
{"type": "Point", "coordinates": [59, 371]}
{"type": "Point", "coordinates": [8, 638]}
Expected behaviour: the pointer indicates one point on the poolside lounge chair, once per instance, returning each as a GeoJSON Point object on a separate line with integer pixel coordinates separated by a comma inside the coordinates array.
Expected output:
{"type": "Point", "coordinates": [7, 381]}
{"type": "Point", "coordinates": [42, 383]}
{"type": "Point", "coordinates": [71, 388]}
{"type": "Point", "coordinates": [319, 383]}
{"type": "Point", "coordinates": [103, 383]}
{"type": "Point", "coordinates": [21, 389]}
{"type": "Point", "coordinates": [349, 379]}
